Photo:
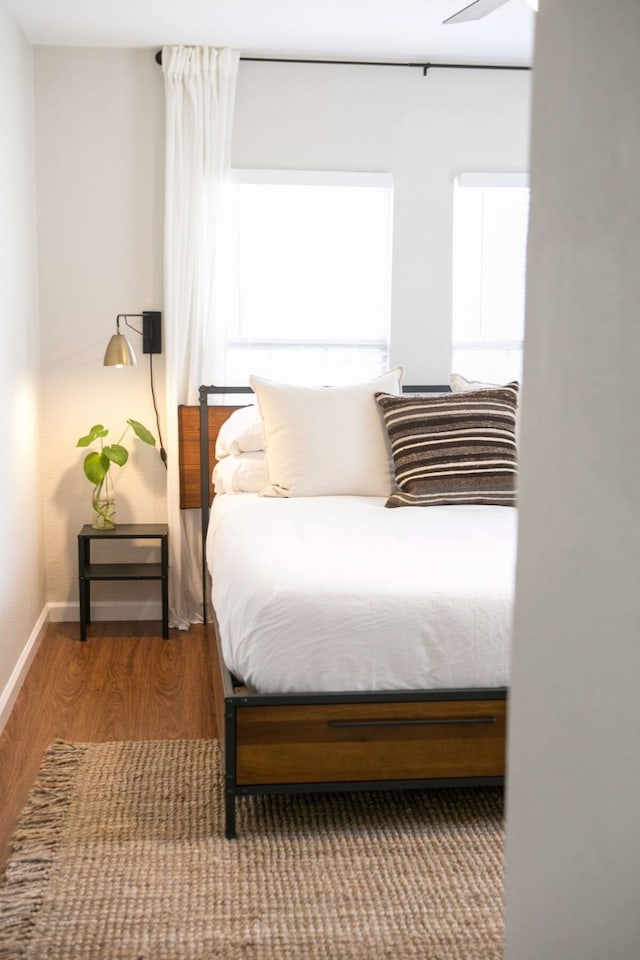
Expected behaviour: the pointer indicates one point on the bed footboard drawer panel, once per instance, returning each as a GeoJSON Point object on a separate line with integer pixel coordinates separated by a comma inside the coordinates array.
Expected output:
{"type": "Point", "coordinates": [379, 741]}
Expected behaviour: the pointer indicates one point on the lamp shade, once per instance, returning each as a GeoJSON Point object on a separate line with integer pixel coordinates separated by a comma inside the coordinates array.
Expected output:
{"type": "Point", "coordinates": [119, 352]}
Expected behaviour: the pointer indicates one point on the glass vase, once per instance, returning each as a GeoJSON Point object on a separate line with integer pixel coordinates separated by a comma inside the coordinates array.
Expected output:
{"type": "Point", "coordinates": [104, 507]}
{"type": "Point", "coordinates": [104, 514]}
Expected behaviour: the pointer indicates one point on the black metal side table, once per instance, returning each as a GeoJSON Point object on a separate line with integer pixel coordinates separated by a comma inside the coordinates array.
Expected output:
{"type": "Point", "coordinates": [88, 571]}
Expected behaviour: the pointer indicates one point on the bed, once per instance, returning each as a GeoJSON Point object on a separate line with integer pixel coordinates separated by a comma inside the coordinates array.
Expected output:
{"type": "Point", "coordinates": [349, 712]}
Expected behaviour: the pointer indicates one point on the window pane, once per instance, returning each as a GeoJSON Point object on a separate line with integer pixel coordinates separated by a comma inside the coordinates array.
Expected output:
{"type": "Point", "coordinates": [489, 278]}
{"type": "Point", "coordinates": [504, 247]}
{"type": "Point", "coordinates": [306, 280]}
{"type": "Point", "coordinates": [489, 366]}
{"type": "Point", "coordinates": [306, 365]}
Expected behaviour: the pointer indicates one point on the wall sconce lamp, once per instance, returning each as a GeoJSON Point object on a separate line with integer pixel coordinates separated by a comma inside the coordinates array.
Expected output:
{"type": "Point", "coordinates": [120, 353]}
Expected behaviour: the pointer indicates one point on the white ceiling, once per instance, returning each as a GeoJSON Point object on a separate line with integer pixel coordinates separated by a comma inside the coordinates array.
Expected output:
{"type": "Point", "coordinates": [346, 29]}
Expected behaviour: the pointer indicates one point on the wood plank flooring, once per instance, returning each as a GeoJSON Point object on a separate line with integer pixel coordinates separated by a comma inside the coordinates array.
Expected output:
{"type": "Point", "coordinates": [124, 683]}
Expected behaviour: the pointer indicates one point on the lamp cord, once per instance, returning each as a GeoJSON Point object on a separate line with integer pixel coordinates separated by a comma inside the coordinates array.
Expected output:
{"type": "Point", "coordinates": [163, 452]}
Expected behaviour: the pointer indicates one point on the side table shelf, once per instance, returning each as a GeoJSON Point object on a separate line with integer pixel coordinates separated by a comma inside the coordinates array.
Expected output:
{"type": "Point", "coordinates": [88, 571]}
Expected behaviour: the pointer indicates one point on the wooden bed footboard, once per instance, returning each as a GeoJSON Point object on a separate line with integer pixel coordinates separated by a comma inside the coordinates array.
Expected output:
{"type": "Point", "coordinates": [301, 743]}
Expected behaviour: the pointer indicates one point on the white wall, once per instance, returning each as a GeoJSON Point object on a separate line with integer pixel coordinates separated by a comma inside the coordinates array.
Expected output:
{"type": "Point", "coordinates": [100, 170]}
{"type": "Point", "coordinates": [21, 556]}
{"type": "Point", "coordinates": [573, 827]}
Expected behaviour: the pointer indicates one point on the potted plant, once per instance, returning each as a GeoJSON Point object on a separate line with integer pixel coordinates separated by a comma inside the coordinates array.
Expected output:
{"type": "Point", "coordinates": [97, 465]}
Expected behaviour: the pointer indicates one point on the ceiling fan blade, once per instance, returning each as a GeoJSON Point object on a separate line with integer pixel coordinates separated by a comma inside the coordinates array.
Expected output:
{"type": "Point", "coordinates": [475, 10]}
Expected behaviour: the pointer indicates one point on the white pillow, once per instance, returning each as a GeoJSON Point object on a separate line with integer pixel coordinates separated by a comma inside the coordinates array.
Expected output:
{"type": "Point", "coordinates": [243, 473]}
{"type": "Point", "coordinates": [326, 441]}
{"type": "Point", "coordinates": [240, 433]}
{"type": "Point", "coordinates": [460, 384]}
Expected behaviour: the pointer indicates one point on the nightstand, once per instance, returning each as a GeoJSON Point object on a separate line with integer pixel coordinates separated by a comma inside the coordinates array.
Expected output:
{"type": "Point", "coordinates": [88, 571]}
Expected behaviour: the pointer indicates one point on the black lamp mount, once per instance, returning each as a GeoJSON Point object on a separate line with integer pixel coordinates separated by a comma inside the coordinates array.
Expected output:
{"type": "Point", "coordinates": [151, 332]}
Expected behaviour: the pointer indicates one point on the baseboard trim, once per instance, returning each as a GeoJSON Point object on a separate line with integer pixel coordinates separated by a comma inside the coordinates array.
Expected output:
{"type": "Point", "coordinates": [107, 610]}
{"type": "Point", "coordinates": [10, 693]}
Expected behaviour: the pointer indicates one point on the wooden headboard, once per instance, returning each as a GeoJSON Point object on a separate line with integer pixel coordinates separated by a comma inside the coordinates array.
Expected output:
{"type": "Point", "coordinates": [189, 450]}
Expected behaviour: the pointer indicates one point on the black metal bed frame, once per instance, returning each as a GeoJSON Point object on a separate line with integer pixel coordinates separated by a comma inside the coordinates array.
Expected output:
{"type": "Point", "coordinates": [235, 701]}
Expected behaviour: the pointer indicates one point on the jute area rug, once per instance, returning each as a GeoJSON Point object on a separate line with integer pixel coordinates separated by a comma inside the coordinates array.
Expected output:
{"type": "Point", "coordinates": [121, 855]}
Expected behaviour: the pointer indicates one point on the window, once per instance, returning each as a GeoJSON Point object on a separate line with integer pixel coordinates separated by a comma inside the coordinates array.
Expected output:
{"type": "Point", "coordinates": [305, 279]}
{"type": "Point", "coordinates": [491, 214]}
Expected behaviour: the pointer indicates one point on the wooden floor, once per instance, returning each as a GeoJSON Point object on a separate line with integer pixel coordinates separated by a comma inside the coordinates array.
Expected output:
{"type": "Point", "coordinates": [124, 683]}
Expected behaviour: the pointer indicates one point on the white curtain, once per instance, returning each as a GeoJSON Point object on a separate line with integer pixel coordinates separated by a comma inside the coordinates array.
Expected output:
{"type": "Point", "coordinates": [199, 90]}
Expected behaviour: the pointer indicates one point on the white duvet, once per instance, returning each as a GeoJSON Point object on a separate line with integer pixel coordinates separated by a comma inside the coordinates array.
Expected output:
{"type": "Point", "coordinates": [341, 593]}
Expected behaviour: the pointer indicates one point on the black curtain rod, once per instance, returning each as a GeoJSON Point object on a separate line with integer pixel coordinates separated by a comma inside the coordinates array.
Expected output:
{"type": "Point", "coordinates": [425, 67]}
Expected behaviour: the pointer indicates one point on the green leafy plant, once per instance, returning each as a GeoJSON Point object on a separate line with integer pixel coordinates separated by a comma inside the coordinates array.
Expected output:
{"type": "Point", "coordinates": [97, 465]}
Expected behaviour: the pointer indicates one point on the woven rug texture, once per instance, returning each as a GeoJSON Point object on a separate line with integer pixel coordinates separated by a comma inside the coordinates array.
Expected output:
{"type": "Point", "coordinates": [120, 854]}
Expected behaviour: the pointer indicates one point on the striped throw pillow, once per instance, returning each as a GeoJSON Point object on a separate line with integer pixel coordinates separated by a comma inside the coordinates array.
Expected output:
{"type": "Point", "coordinates": [453, 448]}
